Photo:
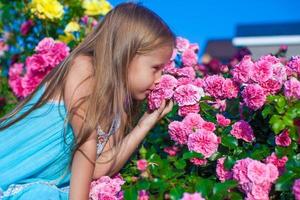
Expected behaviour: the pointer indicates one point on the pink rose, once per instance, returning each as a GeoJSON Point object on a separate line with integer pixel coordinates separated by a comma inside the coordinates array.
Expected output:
{"type": "Point", "coordinates": [172, 151]}
{"type": "Point", "coordinates": [254, 96]}
{"type": "Point", "coordinates": [242, 130]}
{"type": "Point", "coordinates": [143, 195]}
{"type": "Point", "coordinates": [293, 66]}
{"type": "Point", "coordinates": [186, 95]}
{"type": "Point", "coordinates": [262, 71]}
{"type": "Point", "coordinates": [178, 132]}
{"type": "Point", "coordinates": [189, 58]}
{"type": "Point", "coordinates": [142, 164]}
{"type": "Point", "coordinates": [243, 71]}
{"type": "Point", "coordinates": [184, 110]}
{"type": "Point", "coordinates": [214, 85]}
{"type": "Point", "coordinates": [182, 44]}
{"type": "Point", "coordinates": [222, 173]}
{"type": "Point", "coordinates": [283, 139]}
{"type": "Point", "coordinates": [203, 142]}
{"type": "Point", "coordinates": [296, 189]}
{"type": "Point", "coordinates": [222, 121]}
{"type": "Point", "coordinates": [229, 89]}
{"type": "Point", "coordinates": [194, 196]}
{"type": "Point", "coordinates": [198, 161]}
{"type": "Point", "coordinates": [193, 121]}
{"type": "Point", "coordinates": [292, 88]}
{"type": "Point", "coordinates": [278, 162]}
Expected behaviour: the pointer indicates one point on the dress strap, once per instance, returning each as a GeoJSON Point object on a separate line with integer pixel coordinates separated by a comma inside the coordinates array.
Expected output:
{"type": "Point", "coordinates": [103, 137]}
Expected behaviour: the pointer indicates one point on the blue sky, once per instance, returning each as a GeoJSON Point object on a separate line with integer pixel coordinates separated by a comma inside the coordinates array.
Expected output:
{"type": "Point", "coordinates": [200, 20]}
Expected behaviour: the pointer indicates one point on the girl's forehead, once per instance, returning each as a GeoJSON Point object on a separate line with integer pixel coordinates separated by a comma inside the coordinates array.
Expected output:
{"type": "Point", "coordinates": [163, 53]}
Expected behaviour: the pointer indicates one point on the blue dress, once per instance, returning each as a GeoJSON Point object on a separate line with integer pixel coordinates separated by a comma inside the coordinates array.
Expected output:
{"type": "Point", "coordinates": [35, 154]}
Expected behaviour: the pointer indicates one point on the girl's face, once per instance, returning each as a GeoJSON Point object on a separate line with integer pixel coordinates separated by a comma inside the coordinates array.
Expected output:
{"type": "Point", "coordinates": [145, 71]}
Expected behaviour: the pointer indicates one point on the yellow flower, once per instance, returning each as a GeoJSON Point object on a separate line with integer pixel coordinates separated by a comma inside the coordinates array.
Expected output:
{"type": "Point", "coordinates": [47, 9]}
{"type": "Point", "coordinates": [71, 27]}
{"type": "Point", "coordinates": [96, 7]}
{"type": "Point", "coordinates": [66, 38]}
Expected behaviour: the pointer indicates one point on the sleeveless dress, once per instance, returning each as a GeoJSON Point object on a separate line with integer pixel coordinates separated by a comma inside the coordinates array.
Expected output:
{"type": "Point", "coordinates": [35, 153]}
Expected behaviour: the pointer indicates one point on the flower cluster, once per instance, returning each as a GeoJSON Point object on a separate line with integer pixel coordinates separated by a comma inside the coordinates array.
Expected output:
{"type": "Point", "coordinates": [196, 133]}
{"type": "Point", "coordinates": [107, 188]}
{"type": "Point", "coordinates": [195, 196]}
{"type": "Point", "coordinates": [255, 178]}
{"type": "Point", "coordinates": [49, 54]}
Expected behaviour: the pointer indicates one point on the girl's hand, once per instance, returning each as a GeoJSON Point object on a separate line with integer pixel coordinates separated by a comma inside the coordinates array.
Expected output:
{"type": "Point", "coordinates": [149, 119]}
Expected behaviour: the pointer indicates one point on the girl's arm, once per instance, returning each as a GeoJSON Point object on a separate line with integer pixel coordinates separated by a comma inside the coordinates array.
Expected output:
{"type": "Point", "coordinates": [106, 166]}
{"type": "Point", "coordinates": [84, 158]}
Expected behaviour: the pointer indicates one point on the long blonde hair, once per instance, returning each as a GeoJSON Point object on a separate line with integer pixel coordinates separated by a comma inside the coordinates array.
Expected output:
{"type": "Point", "coordinates": [127, 30]}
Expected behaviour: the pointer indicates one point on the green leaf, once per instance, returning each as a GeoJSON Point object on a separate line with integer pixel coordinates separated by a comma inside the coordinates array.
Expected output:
{"type": "Point", "coordinates": [205, 187]}
{"type": "Point", "coordinates": [229, 141]}
{"type": "Point", "coordinates": [143, 185]}
{"type": "Point", "coordinates": [285, 182]}
{"type": "Point", "coordinates": [229, 162]}
{"type": "Point", "coordinates": [180, 164]}
{"type": "Point", "coordinates": [221, 189]}
{"type": "Point", "coordinates": [130, 193]}
{"type": "Point", "coordinates": [278, 126]}
{"type": "Point", "coordinates": [281, 102]}
{"type": "Point", "coordinates": [268, 110]}
{"type": "Point", "coordinates": [176, 193]}
{"type": "Point", "coordinates": [190, 154]}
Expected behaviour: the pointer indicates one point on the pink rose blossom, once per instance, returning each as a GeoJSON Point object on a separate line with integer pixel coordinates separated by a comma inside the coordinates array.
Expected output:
{"type": "Point", "coordinates": [143, 195]}
{"type": "Point", "coordinates": [283, 139]}
{"type": "Point", "coordinates": [170, 68]}
{"type": "Point", "coordinates": [293, 66]}
{"type": "Point", "coordinates": [186, 95]}
{"type": "Point", "coordinates": [184, 110]}
{"type": "Point", "coordinates": [257, 172]}
{"type": "Point", "coordinates": [278, 162]}
{"type": "Point", "coordinates": [240, 170]}
{"type": "Point", "coordinates": [194, 196]}
{"type": "Point", "coordinates": [193, 121]}
{"type": "Point", "coordinates": [199, 82]}
{"type": "Point", "coordinates": [187, 72]}
{"type": "Point", "coordinates": [44, 45]}
{"type": "Point", "coordinates": [222, 173]}
{"type": "Point", "coordinates": [182, 44]}
{"type": "Point", "coordinates": [214, 85]}
{"type": "Point", "coordinates": [142, 164]}
{"type": "Point", "coordinates": [209, 126]}
{"type": "Point", "coordinates": [178, 132]}
{"type": "Point", "coordinates": [15, 70]}
{"type": "Point", "coordinates": [243, 71]}
{"type": "Point", "coordinates": [255, 178]}
{"type": "Point", "coordinates": [194, 47]}
{"type": "Point", "coordinates": [107, 188]}
{"type": "Point", "coordinates": [203, 142]}
{"type": "Point", "coordinates": [296, 189]}
{"type": "Point", "coordinates": [219, 104]}
{"type": "Point", "coordinates": [189, 58]}
{"type": "Point", "coordinates": [292, 88]}
{"type": "Point", "coordinates": [262, 71]}
{"type": "Point", "coordinates": [198, 161]}
{"type": "Point", "coordinates": [242, 130]}
{"type": "Point", "coordinates": [185, 81]}
{"type": "Point", "coordinates": [222, 121]}
{"type": "Point", "coordinates": [254, 96]}
{"type": "Point", "coordinates": [172, 151]}
{"type": "Point", "coordinates": [229, 89]}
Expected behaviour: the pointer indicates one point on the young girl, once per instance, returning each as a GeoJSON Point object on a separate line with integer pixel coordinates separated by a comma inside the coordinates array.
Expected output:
{"type": "Point", "coordinates": [57, 139]}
